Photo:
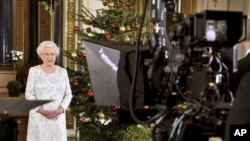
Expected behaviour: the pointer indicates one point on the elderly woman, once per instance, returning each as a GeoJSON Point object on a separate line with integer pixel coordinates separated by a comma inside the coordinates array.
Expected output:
{"type": "Point", "coordinates": [48, 82]}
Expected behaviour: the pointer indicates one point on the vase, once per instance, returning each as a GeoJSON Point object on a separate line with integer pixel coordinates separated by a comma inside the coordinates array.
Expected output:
{"type": "Point", "coordinates": [14, 92]}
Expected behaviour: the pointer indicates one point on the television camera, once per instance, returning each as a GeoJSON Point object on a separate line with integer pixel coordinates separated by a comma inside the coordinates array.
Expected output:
{"type": "Point", "coordinates": [179, 80]}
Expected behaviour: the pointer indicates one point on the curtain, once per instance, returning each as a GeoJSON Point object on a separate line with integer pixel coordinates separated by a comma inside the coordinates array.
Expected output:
{"type": "Point", "coordinates": [5, 28]}
{"type": "Point", "coordinates": [188, 6]}
{"type": "Point", "coordinates": [57, 28]}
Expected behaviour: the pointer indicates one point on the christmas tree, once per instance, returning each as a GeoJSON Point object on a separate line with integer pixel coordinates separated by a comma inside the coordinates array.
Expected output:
{"type": "Point", "coordinates": [96, 123]}
{"type": "Point", "coordinates": [116, 21]}
{"type": "Point", "coordinates": [92, 123]}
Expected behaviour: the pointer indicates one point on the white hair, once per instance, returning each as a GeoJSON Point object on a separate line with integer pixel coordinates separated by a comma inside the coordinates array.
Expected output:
{"type": "Point", "coordinates": [47, 44]}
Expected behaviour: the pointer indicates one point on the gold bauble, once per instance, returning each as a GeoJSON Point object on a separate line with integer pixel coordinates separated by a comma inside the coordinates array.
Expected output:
{"type": "Point", "coordinates": [73, 54]}
{"type": "Point", "coordinates": [127, 39]}
{"type": "Point", "coordinates": [128, 27]}
{"type": "Point", "coordinates": [122, 28]}
{"type": "Point", "coordinates": [111, 4]}
{"type": "Point", "coordinates": [101, 115]}
{"type": "Point", "coordinates": [87, 18]}
{"type": "Point", "coordinates": [79, 42]}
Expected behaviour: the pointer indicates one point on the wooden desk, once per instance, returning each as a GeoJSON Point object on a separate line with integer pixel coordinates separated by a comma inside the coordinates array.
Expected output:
{"type": "Point", "coordinates": [22, 124]}
{"type": "Point", "coordinates": [21, 120]}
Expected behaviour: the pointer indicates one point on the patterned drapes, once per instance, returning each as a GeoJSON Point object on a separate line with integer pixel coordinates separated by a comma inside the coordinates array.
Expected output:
{"type": "Point", "coordinates": [185, 6]}
{"type": "Point", "coordinates": [5, 28]}
{"type": "Point", "coordinates": [188, 6]}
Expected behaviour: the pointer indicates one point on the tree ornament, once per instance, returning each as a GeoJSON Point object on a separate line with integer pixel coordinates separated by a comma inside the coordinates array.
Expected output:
{"type": "Point", "coordinates": [104, 3]}
{"type": "Point", "coordinates": [134, 34]}
{"type": "Point", "coordinates": [113, 25]}
{"type": "Point", "coordinates": [83, 120]}
{"type": "Point", "coordinates": [127, 39]}
{"type": "Point", "coordinates": [87, 18]}
{"type": "Point", "coordinates": [127, 3]}
{"type": "Point", "coordinates": [90, 93]}
{"type": "Point", "coordinates": [76, 28]}
{"type": "Point", "coordinates": [108, 36]}
{"type": "Point", "coordinates": [125, 7]}
{"type": "Point", "coordinates": [137, 25]}
{"type": "Point", "coordinates": [79, 42]}
{"type": "Point", "coordinates": [88, 29]}
{"type": "Point", "coordinates": [76, 83]}
{"type": "Point", "coordinates": [128, 28]}
{"type": "Point", "coordinates": [117, 107]}
{"type": "Point", "coordinates": [73, 54]}
{"type": "Point", "coordinates": [111, 4]}
{"type": "Point", "coordinates": [145, 107]}
{"type": "Point", "coordinates": [80, 53]}
{"type": "Point", "coordinates": [122, 28]}
{"type": "Point", "coordinates": [101, 115]}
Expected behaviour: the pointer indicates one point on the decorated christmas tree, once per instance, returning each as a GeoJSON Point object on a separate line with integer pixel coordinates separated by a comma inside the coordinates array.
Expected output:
{"type": "Point", "coordinates": [92, 123]}
{"type": "Point", "coordinates": [96, 123]}
{"type": "Point", "coordinates": [116, 21]}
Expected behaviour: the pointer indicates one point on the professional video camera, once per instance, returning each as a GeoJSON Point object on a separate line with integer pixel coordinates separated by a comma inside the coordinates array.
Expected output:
{"type": "Point", "coordinates": [179, 80]}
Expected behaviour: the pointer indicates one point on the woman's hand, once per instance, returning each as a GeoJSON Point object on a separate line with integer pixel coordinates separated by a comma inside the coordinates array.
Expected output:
{"type": "Point", "coordinates": [57, 112]}
{"type": "Point", "coordinates": [50, 114]}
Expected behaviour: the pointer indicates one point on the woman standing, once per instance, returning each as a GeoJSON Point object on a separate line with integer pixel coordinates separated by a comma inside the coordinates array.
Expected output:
{"type": "Point", "coordinates": [48, 82]}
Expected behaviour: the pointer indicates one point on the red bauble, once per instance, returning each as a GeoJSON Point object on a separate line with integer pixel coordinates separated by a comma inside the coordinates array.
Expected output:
{"type": "Point", "coordinates": [75, 83]}
{"type": "Point", "coordinates": [104, 3]}
{"type": "Point", "coordinates": [80, 53]}
{"type": "Point", "coordinates": [127, 3]}
{"type": "Point", "coordinates": [108, 36]}
{"type": "Point", "coordinates": [137, 25]}
{"type": "Point", "coordinates": [90, 93]}
{"type": "Point", "coordinates": [88, 29]}
{"type": "Point", "coordinates": [134, 34]}
{"type": "Point", "coordinates": [117, 107]}
{"type": "Point", "coordinates": [76, 28]}
{"type": "Point", "coordinates": [83, 120]}
{"type": "Point", "coordinates": [125, 7]}
{"type": "Point", "coordinates": [113, 25]}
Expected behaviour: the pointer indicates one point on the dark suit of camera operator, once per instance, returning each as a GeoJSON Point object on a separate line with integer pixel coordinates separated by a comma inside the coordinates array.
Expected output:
{"type": "Point", "coordinates": [240, 111]}
{"type": "Point", "coordinates": [243, 67]}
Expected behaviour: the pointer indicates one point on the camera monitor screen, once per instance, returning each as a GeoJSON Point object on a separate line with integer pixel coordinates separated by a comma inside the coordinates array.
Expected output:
{"type": "Point", "coordinates": [216, 30]}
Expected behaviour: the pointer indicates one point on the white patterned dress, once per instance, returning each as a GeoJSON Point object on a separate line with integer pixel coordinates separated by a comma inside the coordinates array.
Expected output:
{"type": "Point", "coordinates": [48, 86]}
